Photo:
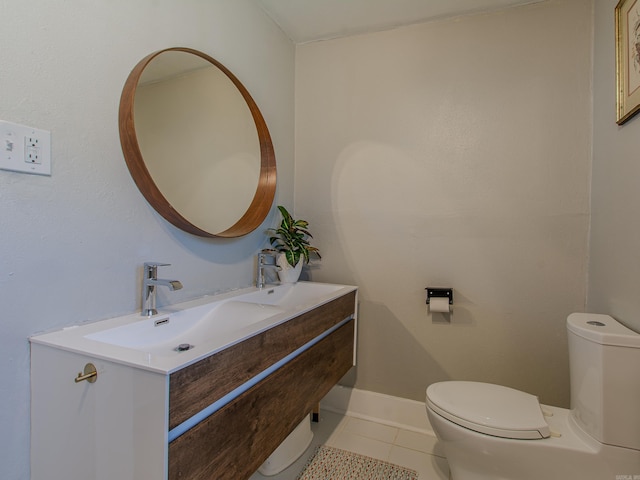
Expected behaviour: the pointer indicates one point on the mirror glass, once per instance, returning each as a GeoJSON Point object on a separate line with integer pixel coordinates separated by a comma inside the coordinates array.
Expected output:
{"type": "Point", "coordinates": [196, 144]}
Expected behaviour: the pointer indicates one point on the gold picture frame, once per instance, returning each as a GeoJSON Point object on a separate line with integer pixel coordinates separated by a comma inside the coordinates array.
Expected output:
{"type": "Point", "coordinates": [627, 59]}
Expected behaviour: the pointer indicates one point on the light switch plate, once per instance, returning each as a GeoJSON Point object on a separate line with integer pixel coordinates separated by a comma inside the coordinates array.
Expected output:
{"type": "Point", "coordinates": [25, 149]}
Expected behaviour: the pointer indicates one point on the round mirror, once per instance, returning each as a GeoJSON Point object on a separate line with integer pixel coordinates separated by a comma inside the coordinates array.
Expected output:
{"type": "Point", "coordinates": [196, 144]}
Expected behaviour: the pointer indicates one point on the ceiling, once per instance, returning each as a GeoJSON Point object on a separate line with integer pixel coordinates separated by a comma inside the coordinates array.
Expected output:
{"type": "Point", "coordinates": [311, 20]}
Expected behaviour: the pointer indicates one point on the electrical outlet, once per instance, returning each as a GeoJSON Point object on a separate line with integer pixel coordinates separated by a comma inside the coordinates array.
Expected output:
{"type": "Point", "coordinates": [25, 149]}
{"type": "Point", "coordinates": [32, 151]}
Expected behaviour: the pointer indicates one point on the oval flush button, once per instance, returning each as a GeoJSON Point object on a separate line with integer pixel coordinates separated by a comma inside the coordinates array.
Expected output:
{"type": "Point", "coordinates": [596, 323]}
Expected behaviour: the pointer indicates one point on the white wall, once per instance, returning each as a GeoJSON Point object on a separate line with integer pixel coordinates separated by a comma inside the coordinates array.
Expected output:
{"type": "Point", "coordinates": [72, 244]}
{"type": "Point", "coordinates": [614, 268]}
{"type": "Point", "coordinates": [453, 153]}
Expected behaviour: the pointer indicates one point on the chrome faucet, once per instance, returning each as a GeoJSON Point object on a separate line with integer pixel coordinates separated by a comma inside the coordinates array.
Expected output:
{"type": "Point", "coordinates": [262, 265]}
{"type": "Point", "coordinates": [150, 281]}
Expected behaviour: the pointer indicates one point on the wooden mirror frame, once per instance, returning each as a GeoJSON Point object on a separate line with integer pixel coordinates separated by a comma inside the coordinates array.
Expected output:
{"type": "Point", "coordinates": [265, 192]}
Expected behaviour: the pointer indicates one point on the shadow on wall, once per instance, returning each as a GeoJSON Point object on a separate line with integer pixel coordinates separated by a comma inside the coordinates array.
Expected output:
{"type": "Point", "coordinates": [394, 226]}
{"type": "Point", "coordinates": [389, 350]}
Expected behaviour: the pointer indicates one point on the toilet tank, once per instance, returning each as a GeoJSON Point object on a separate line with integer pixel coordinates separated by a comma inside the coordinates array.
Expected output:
{"type": "Point", "coordinates": [604, 356]}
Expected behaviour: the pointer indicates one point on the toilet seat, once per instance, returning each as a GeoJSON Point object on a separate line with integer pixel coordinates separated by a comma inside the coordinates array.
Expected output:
{"type": "Point", "coordinates": [489, 409]}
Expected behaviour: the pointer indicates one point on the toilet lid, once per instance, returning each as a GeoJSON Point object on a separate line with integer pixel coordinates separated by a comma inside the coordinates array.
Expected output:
{"type": "Point", "coordinates": [490, 409]}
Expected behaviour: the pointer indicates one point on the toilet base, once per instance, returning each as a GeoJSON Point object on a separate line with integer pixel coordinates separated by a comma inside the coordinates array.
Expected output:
{"type": "Point", "coordinates": [475, 456]}
{"type": "Point", "coordinates": [289, 450]}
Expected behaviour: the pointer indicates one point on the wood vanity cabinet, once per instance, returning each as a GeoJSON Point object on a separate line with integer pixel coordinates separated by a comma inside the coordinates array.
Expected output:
{"type": "Point", "coordinates": [118, 427]}
{"type": "Point", "coordinates": [236, 440]}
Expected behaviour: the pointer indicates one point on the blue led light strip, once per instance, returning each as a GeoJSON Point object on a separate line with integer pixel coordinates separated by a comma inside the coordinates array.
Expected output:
{"type": "Point", "coordinates": [218, 404]}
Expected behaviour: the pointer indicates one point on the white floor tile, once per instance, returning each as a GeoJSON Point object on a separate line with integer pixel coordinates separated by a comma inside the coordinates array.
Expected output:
{"type": "Point", "coordinates": [421, 442]}
{"type": "Point", "coordinates": [429, 467]}
{"type": "Point", "coordinates": [405, 448]}
{"type": "Point", "coordinates": [362, 445]}
{"type": "Point", "coordinates": [369, 429]}
{"type": "Point", "coordinates": [329, 426]}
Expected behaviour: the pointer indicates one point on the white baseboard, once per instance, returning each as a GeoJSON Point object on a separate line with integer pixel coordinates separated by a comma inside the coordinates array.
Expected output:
{"type": "Point", "coordinates": [385, 409]}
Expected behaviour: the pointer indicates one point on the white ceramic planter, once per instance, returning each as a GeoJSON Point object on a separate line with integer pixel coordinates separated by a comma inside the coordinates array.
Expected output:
{"type": "Point", "coordinates": [287, 273]}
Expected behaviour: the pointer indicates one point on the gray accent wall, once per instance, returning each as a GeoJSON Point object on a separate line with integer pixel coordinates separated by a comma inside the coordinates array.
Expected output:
{"type": "Point", "coordinates": [454, 153]}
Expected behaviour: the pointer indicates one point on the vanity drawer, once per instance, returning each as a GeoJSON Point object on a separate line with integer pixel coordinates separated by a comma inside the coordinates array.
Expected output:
{"type": "Point", "coordinates": [233, 442]}
{"type": "Point", "coordinates": [197, 386]}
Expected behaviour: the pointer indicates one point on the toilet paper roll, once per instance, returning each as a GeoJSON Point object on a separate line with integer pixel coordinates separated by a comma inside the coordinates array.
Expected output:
{"type": "Point", "coordinates": [439, 305]}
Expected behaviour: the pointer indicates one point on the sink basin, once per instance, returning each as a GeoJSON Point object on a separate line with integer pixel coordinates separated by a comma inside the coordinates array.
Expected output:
{"type": "Point", "coordinates": [200, 327]}
{"type": "Point", "coordinates": [192, 326]}
{"type": "Point", "coordinates": [291, 295]}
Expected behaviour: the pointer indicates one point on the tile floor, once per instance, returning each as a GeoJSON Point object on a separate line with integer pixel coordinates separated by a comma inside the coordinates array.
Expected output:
{"type": "Point", "coordinates": [409, 449]}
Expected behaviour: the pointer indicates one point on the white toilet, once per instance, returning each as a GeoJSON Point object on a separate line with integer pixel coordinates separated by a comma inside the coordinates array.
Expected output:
{"type": "Point", "coordinates": [490, 432]}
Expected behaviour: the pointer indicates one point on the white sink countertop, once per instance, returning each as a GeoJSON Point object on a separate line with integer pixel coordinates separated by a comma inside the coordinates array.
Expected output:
{"type": "Point", "coordinates": [208, 325]}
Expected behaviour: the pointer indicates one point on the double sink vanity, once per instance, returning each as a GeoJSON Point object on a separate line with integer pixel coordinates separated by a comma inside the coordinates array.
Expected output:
{"type": "Point", "coordinates": [203, 389]}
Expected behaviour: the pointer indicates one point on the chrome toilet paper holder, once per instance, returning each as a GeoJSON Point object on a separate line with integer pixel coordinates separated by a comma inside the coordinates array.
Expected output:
{"type": "Point", "coordinates": [439, 292]}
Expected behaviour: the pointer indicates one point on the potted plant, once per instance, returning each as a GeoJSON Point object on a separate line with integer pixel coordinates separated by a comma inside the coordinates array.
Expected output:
{"type": "Point", "coordinates": [291, 241]}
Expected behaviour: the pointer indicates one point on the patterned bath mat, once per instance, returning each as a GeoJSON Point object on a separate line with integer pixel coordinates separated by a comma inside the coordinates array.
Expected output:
{"type": "Point", "coordinates": [329, 463]}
